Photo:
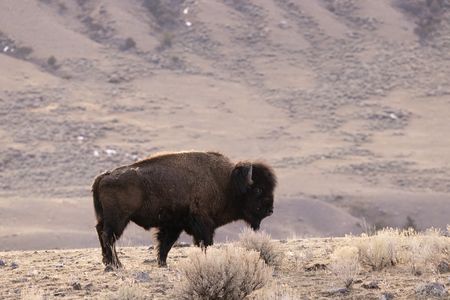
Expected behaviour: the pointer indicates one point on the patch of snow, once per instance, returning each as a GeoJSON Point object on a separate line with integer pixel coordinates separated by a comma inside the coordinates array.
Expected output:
{"type": "Point", "coordinates": [110, 152]}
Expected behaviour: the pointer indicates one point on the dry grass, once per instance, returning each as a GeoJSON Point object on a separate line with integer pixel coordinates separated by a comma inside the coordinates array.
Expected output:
{"type": "Point", "coordinates": [298, 258]}
{"type": "Point", "coordinates": [424, 251]}
{"type": "Point", "coordinates": [345, 264]}
{"type": "Point", "coordinates": [380, 250]}
{"type": "Point", "coordinates": [263, 244]}
{"type": "Point", "coordinates": [31, 294]}
{"type": "Point", "coordinates": [303, 274]}
{"type": "Point", "coordinates": [227, 273]}
{"type": "Point", "coordinates": [129, 292]}
{"type": "Point", "coordinates": [275, 291]}
{"type": "Point", "coordinates": [421, 251]}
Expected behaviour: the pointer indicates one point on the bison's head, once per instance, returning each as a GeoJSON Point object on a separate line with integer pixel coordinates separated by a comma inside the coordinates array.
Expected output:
{"type": "Point", "coordinates": [254, 184]}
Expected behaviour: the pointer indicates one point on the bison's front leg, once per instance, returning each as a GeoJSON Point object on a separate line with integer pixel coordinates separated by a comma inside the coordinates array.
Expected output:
{"type": "Point", "coordinates": [203, 231]}
{"type": "Point", "coordinates": [166, 236]}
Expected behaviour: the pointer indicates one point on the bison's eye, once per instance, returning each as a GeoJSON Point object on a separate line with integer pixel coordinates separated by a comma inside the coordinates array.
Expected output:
{"type": "Point", "coordinates": [257, 191]}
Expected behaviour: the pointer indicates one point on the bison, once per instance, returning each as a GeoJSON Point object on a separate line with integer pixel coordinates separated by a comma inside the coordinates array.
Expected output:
{"type": "Point", "coordinates": [192, 191]}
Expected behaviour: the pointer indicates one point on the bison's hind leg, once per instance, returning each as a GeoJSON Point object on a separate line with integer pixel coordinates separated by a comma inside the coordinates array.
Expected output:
{"type": "Point", "coordinates": [99, 228]}
{"type": "Point", "coordinates": [110, 234]}
{"type": "Point", "coordinates": [166, 236]}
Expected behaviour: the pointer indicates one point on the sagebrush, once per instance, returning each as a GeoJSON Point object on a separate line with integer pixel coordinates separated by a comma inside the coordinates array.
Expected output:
{"type": "Point", "coordinates": [227, 273]}
{"type": "Point", "coordinates": [380, 250]}
{"type": "Point", "coordinates": [129, 292]}
{"type": "Point", "coordinates": [275, 291]}
{"type": "Point", "coordinates": [345, 264]}
{"type": "Point", "coordinates": [423, 251]}
{"type": "Point", "coordinates": [262, 243]}
{"type": "Point", "coordinates": [299, 259]}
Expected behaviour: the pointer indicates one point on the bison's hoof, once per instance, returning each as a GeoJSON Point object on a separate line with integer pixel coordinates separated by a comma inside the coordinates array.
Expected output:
{"type": "Point", "coordinates": [109, 268]}
{"type": "Point", "coordinates": [113, 267]}
{"type": "Point", "coordinates": [162, 264]}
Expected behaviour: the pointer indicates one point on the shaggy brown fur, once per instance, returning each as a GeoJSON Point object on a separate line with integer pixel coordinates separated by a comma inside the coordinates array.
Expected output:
{"type": "Point", "coordinates": [192, 191]}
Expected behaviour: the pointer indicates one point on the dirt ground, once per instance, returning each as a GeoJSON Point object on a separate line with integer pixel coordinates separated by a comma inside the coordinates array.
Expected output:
{"type": "Point", "coordinates": [303, 274]}
{"type": "Point", "coordinates": [347, 99]}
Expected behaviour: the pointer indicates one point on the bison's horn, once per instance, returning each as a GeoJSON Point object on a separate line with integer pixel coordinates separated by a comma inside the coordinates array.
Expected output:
{"type": "Point", "coordinates": [249, 175]}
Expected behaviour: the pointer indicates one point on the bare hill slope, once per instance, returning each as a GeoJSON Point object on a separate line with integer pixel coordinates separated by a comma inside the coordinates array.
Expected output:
{"type": "Point", "coordinates": [348, 99]}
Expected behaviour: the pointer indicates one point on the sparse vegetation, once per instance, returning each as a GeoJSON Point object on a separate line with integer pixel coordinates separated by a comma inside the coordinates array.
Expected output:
{"type": "Point", "coordinates": [175, 60]}
{"type": "Point", "coordinates": [165, 13]}
{"type": "Point", "coordinates": [227, 273]}
{"type": "Point", "coordinates": [166, 41]}
{"type": "Point", "coordinates": [263, 244]}
{"type": "Point", "coordinates": [82, 2]}
{"type": "Point", "coordinates": [129, 292]}
{"type": "Point", "coordinates": [31, 294]}
{"type": "Point", "coordinates": [275, 291]}
{"type": "Point", "coordinates": [420, 251]}
{"type": "Point", "coordinates": [51, 61]}
{"type": "Point", "coordinates": [299, 258]}
{"type": "Point", "coordinates": [62, 7]}
{"type": "Point", "coordinates": [425, 251]}
{"type": "Point", "coordinates": [128, 44]}
{"type": "Point", "coordinates": [433, 289]}
{"type": "Point", "coordinates": [427, 14]}
{"type": "Point", "coordinates": [345, 264]}
{"type": "Point", "coordinates": [23, 52]}
{"type": "Point", "coordinates": [380, 250]}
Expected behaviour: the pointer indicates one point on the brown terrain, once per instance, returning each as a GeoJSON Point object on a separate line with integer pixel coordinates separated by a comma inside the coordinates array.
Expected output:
{"type": "Point", "coordinates": [349, 100]}
{"type": "Point", "coordinates": [305, 272]}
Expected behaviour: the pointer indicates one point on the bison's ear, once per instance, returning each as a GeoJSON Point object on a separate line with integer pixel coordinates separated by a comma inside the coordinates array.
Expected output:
{"type": "Point", "coordinates": [241, 177]}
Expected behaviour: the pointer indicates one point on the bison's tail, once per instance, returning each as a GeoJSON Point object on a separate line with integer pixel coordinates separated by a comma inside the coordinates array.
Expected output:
{"type": "Point", "coordinates": [95, 192]}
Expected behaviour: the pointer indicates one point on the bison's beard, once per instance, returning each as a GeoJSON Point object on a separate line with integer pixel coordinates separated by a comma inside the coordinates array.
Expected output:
{"type": "Point", "coordinates": [255, 225]}
{"type": "Point", "coordinates": [254, 222]}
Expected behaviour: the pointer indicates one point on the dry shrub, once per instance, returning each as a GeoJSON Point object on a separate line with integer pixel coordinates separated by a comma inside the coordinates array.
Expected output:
{"type": "Point", "coordinates": [345, 264]}
{"type": "Point", "coordinates": [427, 14]}
{"type": "Point", "coordinates": [227, 273]}
{"type": "Point", "coordinates": [299, 259]}
{"type": "Point", "coordinates": [275, 291]}
{"type": "Point", "coordinates": [166, 13]}
{"type": "Point", "coordinates": [420, 250]}
{"type": "Point", "coordinates": [129, 292]}
{"type": "Point", "coordinates": [380, 250]}
{"type": "Point", "coordinates": [263, 244]}
{"type": "Point", "coordinates": [167, 40]}
{"type": "Point", "coordinates": [431, 290]}
{"type": "Point", "coordinates": [424, 251]}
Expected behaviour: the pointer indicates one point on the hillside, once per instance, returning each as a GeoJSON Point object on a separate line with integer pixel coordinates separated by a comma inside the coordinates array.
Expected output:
{"type": "Point", "coordinates": [347, 99]}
